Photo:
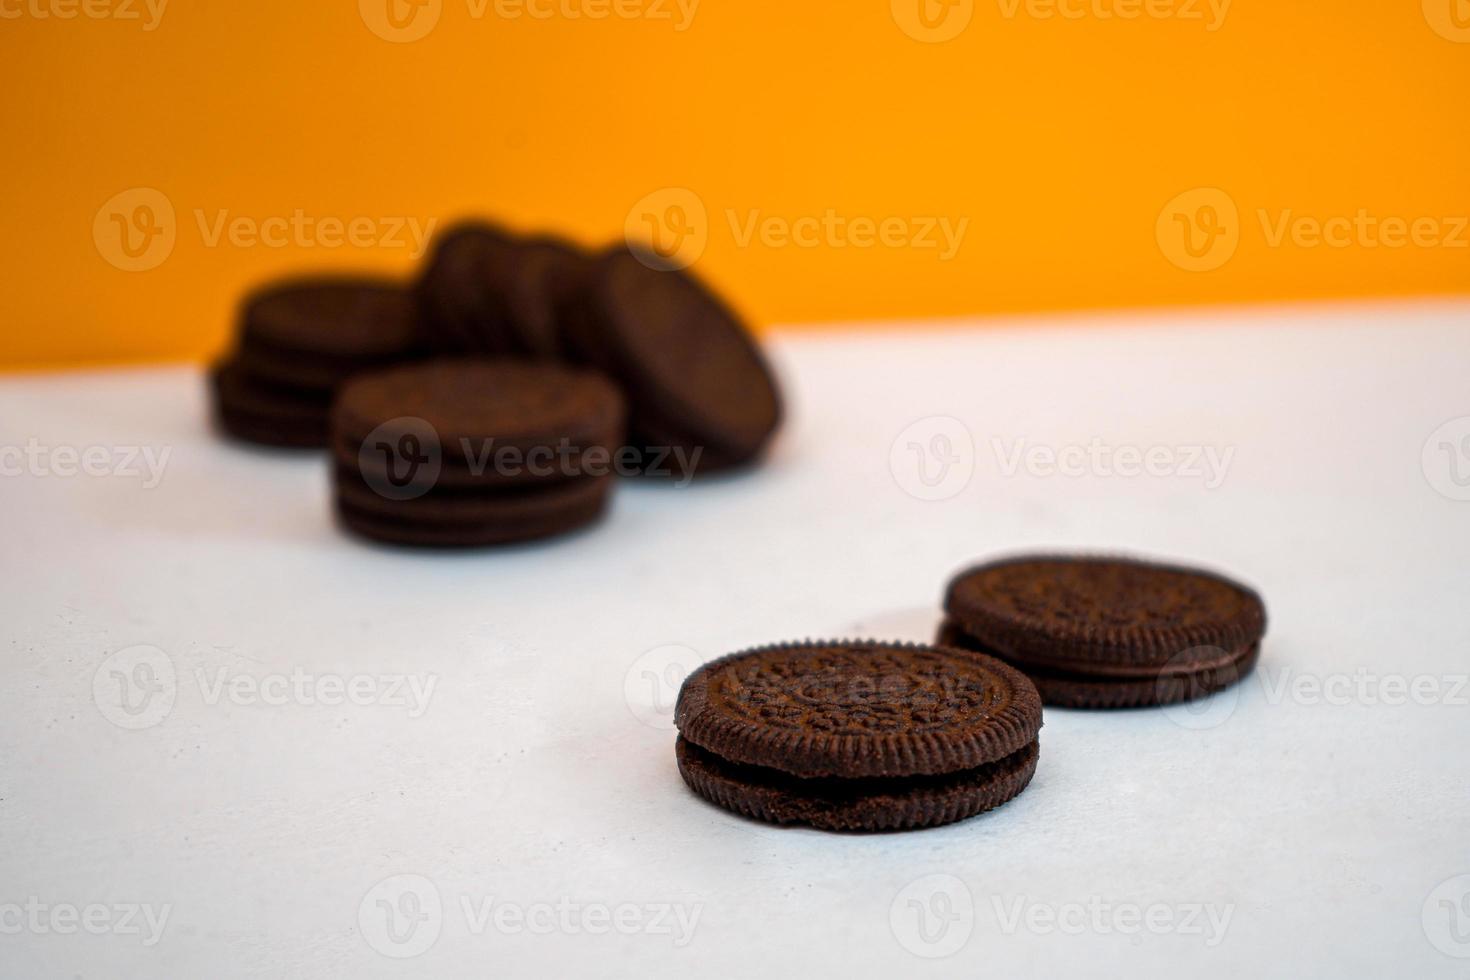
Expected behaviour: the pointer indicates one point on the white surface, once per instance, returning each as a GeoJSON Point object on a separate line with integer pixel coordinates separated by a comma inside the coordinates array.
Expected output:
{"type": "Point", "coordinates": [1320, 829]}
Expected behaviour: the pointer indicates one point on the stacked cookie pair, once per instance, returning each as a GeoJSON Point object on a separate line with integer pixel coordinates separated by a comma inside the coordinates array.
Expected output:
{"type": "Point", "coordinates": [864, 735]}
{"type": "Point", "coordinates": [470, 452]}
{"type": "Point", "coordinates": [296, 343]}
{"type": "Point", "coordinates": [1107, 632]}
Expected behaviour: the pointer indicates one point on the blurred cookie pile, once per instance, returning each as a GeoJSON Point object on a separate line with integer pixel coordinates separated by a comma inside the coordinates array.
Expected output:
{"type": "Point", "coordinates": [498, 398]}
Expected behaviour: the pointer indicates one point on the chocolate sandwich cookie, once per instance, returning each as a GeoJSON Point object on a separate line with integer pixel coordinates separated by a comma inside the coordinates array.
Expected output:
{"type": "Point", "coordinates": [269, 415]}
{"type": "Point", "coordinates": [487, 292]}
{"type": "Point", "coordinates": [474, 452]}
{"type": "Point", "coordinates": [1097, 632]}
{"type": "Point", "coordinates": [857, 734]}
{"type": "Point", "coordinates": [313, 334]}
{"type": "Point", "coordinates": [694, 376]}
{"type": "Point", "coordinates": [493, 422]}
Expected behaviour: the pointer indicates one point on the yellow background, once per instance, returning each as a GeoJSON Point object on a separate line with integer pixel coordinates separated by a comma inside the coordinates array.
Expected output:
{"type": "Point", "coordinates": [1060, 139]}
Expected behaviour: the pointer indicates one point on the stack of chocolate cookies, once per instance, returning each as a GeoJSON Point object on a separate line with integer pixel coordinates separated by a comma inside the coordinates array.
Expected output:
{"type": "Point", "coordinates": [857, 735]}
{"type": "Point", "coordinates": [472, 452]}
{"type": "Point", "coordinates": [536, 345]}
{"type": "Point", "coordinates": [298, 341]}
{"type": "Point", "coordinates": [1095, 632]}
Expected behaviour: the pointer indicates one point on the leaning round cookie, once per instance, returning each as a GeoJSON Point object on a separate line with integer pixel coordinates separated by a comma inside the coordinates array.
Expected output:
{"type": "Point", "coordinates": [487, 422]}
{"type": "Point", "coordinates": [487, 292]}
{"type": "Point", "coordinates": [694, 375]}
{"type": "Point", "coordinates": [857, 734]}
{"type": "Point", "coordinates": [1062, 689]}
{"type": "Point", "coordinates": [315, 333]}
